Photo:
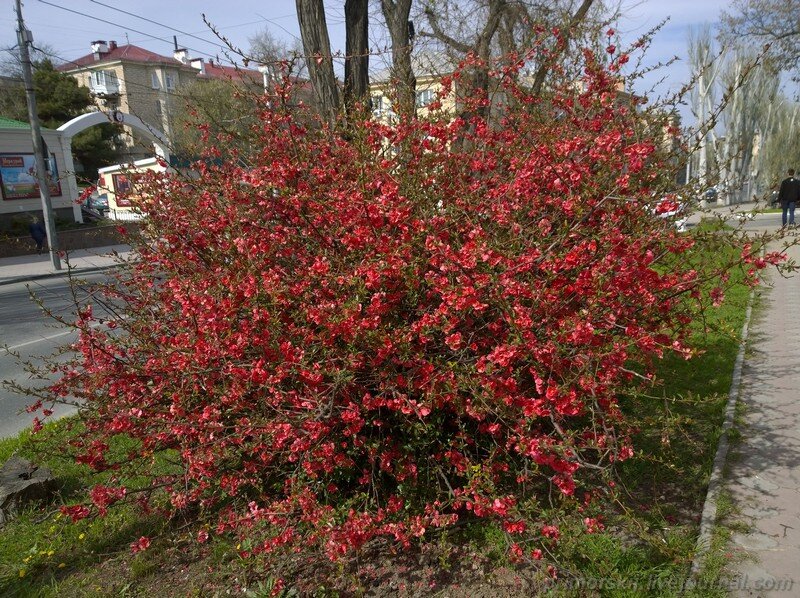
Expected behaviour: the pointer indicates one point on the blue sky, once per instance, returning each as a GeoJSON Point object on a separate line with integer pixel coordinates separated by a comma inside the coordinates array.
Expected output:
{"type": "Point", "coordinates": [70, 34]}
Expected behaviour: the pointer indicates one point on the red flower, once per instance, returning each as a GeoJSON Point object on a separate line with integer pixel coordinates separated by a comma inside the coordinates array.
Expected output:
{"type": "Point", "coordinates": [142, 543]}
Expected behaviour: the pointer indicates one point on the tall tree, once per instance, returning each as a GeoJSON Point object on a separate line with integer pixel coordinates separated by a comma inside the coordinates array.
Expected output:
{"type": "Point", "coordinates": [266, 49]}
{"type": "Point", "coordinates": [10, 65]}
{"type": "Point", "coordinates": [767, 21]}
{"type": "Point", "coordinates": [220, 109]}
{"type": "Point", "coordinates": [546, 65]}
{"type": "Point", "coordinates": [356, 62]}
{"type": "Point", "coordinates": [752, 87]}
{"type": "Point", "coordinates": [705, 66]}
{"type": "Point", "coordinates": [396, 13]}
{"type": "Point", "coordinates": [487, 28]}
{"type": "Point", "coordinates": [317, 48]}
{"type": "Point", "coordinates": [780, 146]}
{"type": "Point", "coordinates": [480, 45]}
{"type": "Point", "coordinates": [59, 97]}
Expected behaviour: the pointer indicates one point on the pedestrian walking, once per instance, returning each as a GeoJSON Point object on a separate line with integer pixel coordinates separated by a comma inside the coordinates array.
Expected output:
{"type": "Point", "coordinates": [38, 233]}
{"type": "Point", "coordinates": [788, 196]}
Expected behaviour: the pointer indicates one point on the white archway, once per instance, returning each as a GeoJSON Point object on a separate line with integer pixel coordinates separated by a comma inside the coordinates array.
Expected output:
{"type": "Point", "coordinates": [80, 123]}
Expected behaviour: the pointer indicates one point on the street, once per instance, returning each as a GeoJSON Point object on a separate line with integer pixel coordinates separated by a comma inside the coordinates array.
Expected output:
{"type": "Point", "coordinates": [732, 215]}
{"type": "Point", "coordinates": [25, 329]}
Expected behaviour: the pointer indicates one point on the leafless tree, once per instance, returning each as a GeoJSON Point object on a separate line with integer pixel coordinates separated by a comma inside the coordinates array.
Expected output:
{"type": "Point", "coordinates": [773, 22]}
{"type": "Point", "coordinates": [277, 56]}
{"type": "Point", "coordinates": [396, 13]}
{"type": "Point", "coordinates": [317, 49]}
{"type": "Point", "coordinates": [356, 63]}
{"type": "Point", "coordinates": [705, 63]}
{"type": "Point", "coordinates": [489, 28]}
{"type": "Point", "coordinates": [780, 147]}
{"type": "Point", "coordinates": [751, 87]}
{"type": "Point", "coordinates": [10, 65]}
{"type": "Point", "coordinates": [486, 21]}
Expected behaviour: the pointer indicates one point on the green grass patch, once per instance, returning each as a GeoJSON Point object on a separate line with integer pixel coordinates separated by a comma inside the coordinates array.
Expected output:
{"type": "Point", "coordinates": [653, 519]}
{"type": "Point", "coordinates": [40, 548]}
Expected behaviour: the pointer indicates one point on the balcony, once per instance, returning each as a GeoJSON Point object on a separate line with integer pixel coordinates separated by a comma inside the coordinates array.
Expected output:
{"type": "Point", "coordinates": [104, 84]}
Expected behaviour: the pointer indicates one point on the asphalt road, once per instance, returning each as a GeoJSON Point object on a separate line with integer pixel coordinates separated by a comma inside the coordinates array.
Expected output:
{"type": "Point", "coordinates": [758, 224]}
{"type": "Point", "coordinates": [27, 330]}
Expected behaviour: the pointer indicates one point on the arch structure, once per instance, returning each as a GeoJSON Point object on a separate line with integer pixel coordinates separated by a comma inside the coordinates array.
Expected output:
{"type": "Point", "coordinates": [80, 123]}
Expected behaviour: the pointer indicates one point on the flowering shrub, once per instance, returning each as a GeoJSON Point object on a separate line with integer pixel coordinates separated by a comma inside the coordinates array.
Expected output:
{"type": "Point", "coordinates": [377, 331]}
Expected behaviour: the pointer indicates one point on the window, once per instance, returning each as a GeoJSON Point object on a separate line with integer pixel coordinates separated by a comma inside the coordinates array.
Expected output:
{"type": "Point", "coordinates": [424, 97]}
{"type": "Point", "coordinates": [104, 82]}
{"type": "Point", "coordinates": [169, 81]}
{"type": "Point", "coordinates": [104, 79]}
{"type": "Point", "coordinates": [154, 80]}
{"type": "Point", "coordinates": [377, 105]}
{"type": "Point", "coordinates": [158, 107]}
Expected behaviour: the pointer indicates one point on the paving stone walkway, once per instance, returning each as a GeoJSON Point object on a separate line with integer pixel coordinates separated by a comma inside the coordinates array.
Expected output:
{"type": "Point", "coordinates": [763, 475]}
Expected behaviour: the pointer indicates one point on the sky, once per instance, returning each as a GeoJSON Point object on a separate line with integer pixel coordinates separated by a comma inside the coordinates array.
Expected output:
{"type": "Point", "coordinates": [70, 33]}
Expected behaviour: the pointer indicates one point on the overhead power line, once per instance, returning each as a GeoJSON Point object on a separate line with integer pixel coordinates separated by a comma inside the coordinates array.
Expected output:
{"type": "Point", "coordinates": [186, 33]}
{"type": "Point", "coordinates": [88, 16]}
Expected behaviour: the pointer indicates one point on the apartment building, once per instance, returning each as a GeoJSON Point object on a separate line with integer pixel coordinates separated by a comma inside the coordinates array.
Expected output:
{"type": "Point", "coordinates": [137, 81]}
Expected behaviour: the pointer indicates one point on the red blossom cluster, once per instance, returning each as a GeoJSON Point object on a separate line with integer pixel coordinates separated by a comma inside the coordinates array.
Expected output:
{"type": "Point", "coordinates": [378, 330]}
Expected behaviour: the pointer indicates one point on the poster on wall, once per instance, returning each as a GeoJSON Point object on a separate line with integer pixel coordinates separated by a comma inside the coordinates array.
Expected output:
{"type": "Point", "coordinates": [122, 188]}
{"type": "Point", "coordinates": [18, 177]}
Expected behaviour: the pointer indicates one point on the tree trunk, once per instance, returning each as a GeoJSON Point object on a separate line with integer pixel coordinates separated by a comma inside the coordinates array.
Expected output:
{"type": "Point", "coordinates": [475, 79]}
{"type": "Point", "coordinates": [396, 13]}
{"type": "Point", "coordinates": [317, 48]}
{"type": "Point", "coordinates": [356, 62]}
{"type": "Point", "coordinates": [544, 68]}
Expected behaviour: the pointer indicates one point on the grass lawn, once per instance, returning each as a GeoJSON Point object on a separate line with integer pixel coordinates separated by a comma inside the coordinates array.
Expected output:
{"type": "Point", "coordinates": [651, 519]}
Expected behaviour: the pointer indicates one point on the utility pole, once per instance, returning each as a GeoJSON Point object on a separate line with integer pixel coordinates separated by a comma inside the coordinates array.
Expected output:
{"type": "Point", "coordinates": [24, 38]}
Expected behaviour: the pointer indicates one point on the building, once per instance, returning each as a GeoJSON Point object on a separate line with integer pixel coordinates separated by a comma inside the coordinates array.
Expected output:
{"type": "Point", "coordinates": [429, 69]}
{"type": "Point", "coordinates": [115, 181]}
{"type": "Point", "coordinates": [20, 191]}
{"type": "Point", "coordinates": [136, 81]}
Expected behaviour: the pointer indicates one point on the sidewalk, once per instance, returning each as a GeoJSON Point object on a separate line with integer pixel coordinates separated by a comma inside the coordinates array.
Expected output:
{"type": "Point", "coordinates": [763, 475]}
{"type": "Point", "coordinates": [81, 261]}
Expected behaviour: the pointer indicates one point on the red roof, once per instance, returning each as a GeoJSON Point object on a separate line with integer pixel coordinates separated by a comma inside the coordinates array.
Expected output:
{"type": "Point", "coordinates": [217, 71]}
{"type": "Point", "coordinates": [136, 54]}
{"type": "Point", "coordinates": [127, 52]}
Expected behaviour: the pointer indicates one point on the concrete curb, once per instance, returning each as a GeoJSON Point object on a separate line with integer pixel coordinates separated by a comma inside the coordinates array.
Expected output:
{"type": "Point", "coordinates": [709, 516]}
{"type": "Point", "coordinates": [61, 274]}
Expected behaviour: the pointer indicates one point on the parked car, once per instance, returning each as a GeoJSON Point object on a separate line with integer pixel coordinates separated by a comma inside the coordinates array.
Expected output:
{"type": "Point", "coordinates": [674, 208]}
{"type": "Point", "coordinates": [97, 202]}
{"type": "Point", "coordinates": [95, 207]}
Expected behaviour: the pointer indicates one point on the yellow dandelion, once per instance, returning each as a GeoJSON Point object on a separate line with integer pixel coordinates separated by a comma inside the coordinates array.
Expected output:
{"type": "Point", "coordinates": [22, 572]}
{"type": "Point", "coordinates": [81, 537]}
{"type": "Point", "coordinates": [62, 565]}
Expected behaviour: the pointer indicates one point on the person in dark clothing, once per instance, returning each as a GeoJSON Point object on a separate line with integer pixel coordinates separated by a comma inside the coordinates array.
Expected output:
{"type": "Point", "coordinates": [38, 233]}
{"type": "Point", "coordinates": [788, 195]}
